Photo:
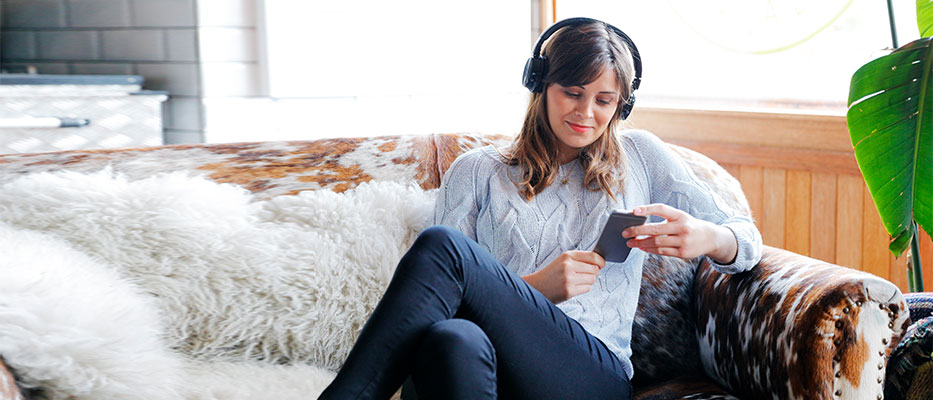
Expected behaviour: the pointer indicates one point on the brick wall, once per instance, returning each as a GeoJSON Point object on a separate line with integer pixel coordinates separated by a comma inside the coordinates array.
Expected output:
{"type": "Point", "coordinates": [206, 54]}
{"type": "Point", "coordinates": [194, 49]}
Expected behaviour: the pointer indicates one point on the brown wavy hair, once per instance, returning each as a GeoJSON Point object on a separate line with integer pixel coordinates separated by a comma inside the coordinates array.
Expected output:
{"type": "Point", "coordinates": [576, 56]}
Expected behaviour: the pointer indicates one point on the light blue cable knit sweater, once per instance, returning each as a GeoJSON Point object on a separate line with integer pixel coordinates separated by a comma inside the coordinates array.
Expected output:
{"type": "Point", "coordinates": [478, 198]}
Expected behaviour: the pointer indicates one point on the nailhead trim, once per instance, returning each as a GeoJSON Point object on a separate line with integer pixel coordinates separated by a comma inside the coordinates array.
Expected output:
{"type": "Point", "coordinates": [892, 315]}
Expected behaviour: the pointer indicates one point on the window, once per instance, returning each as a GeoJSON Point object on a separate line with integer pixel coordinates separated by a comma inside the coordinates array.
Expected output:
{"type": "Point", "coordinates": [789, 53]}
{"type": "Point", "coordinates": [373, 67]}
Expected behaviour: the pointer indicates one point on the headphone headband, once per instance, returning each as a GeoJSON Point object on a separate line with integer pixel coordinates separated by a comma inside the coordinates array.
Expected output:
{"type": "Point", "coordinates": [536, 66]}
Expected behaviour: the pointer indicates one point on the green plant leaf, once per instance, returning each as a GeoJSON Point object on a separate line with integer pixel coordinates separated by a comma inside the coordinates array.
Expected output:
{"type": "Point", "coordinates": [890, 121]}
{"type": "Point", "coordinates": [925, 17]}
{"type": "Point", "coordinates": [900, 242]}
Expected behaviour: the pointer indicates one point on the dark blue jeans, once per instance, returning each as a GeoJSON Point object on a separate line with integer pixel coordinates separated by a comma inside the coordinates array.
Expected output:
{"type": "Point", "coordinates": [465, 327]}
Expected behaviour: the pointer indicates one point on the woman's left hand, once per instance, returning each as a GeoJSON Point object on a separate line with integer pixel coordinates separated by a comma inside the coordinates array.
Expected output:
{"type": "Point", "coordinates": [681, 235]}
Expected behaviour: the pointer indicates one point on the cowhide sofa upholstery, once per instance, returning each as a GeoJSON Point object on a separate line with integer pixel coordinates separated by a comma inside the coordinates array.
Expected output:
{"type": "Point", "coordinates": [794, 327]}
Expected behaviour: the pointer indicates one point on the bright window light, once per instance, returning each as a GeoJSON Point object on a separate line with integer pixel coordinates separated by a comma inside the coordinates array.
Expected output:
{"type": "Point", "coordinates": [765, 53]}
{"type": "Point", "coordinates": [374, 67]}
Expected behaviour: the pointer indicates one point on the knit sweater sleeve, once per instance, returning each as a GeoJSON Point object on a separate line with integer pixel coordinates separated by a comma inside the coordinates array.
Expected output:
{"type": "Point", "coordinates": [457, 203]}
{"type": "Point", "coordinates": [671, 182]}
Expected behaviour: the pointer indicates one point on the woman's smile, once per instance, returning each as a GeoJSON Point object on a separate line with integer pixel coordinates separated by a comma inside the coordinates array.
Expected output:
{"type": "Point", "coordinates": [578, 128]}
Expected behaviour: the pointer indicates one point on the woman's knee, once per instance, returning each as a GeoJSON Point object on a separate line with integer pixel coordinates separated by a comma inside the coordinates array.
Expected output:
{"type": "Point", "coordinates": [437, 235]}
{"type": "Point", "coordinates": [437, 245]}
{"type": "Point", "coordinates": [456, 360]}
{"type": "Point", "coordinates": [457, 338]}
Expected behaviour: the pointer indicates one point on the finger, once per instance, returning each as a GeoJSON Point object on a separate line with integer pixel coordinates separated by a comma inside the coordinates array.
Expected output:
{"type": "Point", "coordinates": [587, 269]}
{"type": "Point", "coordinates": [657, 241]}
{"type": "Point", "coordinates": [663, 251]}
{"type": "Point", "coordinates": [652, 229]}
{"type": "Point", "coordinates": [583, 279]}
{"type": "Point", "coordinates": [579, 289]}
{"type": "Point", "coordinates": [662, 210]}
{"type": "Point", "coordinates": [588, 257]}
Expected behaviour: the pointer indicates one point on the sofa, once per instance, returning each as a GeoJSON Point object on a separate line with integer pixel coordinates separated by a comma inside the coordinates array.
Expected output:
{"type": "Point", "coordinates": [227, 271]}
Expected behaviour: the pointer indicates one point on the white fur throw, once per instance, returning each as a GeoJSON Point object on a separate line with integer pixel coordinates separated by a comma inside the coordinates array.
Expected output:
{"type": "Point", "coordinates": [218, 380]}
{"type": "Point", "coordinates": [288, 280]}
{"type": "Point", "coordinates": [74, 328]}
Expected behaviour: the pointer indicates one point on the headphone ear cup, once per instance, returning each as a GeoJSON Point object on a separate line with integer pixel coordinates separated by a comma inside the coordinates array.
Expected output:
{"type": "Point", "coordinates": [627, 107]}
{"type": "Point", "coordinates": [535, 69]}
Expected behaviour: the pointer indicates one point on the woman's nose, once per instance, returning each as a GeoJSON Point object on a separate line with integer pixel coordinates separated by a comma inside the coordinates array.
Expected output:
{"type": "Point", "coordinates": [585, 109]}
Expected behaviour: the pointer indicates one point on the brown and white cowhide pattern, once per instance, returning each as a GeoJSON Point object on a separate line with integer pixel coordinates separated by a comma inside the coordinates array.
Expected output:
{"type": "Point", "coordinates": [798, 328]}
{"type": "Point", "coordinates": [270, 169]}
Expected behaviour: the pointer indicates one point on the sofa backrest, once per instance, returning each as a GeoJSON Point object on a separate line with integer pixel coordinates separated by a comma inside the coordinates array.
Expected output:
{"type": "Point", "coordinates": [664, 339]}
{"type": "Point", "coordinates": [267, 169]}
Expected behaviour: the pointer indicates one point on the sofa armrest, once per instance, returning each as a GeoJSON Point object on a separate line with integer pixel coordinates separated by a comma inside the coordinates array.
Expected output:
{"type": "Point", "coordinates": [8, 388]}
{"type": "Point", "coordinates": [796, 327]}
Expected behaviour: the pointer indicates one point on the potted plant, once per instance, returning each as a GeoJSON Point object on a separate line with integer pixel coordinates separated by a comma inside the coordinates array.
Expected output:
{"type": "Point", "coordinates": [890, 120]}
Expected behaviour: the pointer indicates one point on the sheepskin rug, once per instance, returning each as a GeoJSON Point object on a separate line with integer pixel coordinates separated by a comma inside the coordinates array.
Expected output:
{"type": "Point", "coordinates": [73, 328]}
{"type": "Point", "coordinates": [174, 269]}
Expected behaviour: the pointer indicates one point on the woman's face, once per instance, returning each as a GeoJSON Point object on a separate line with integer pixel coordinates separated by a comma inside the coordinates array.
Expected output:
{"type": "Point", "coordinates": [580, 114]}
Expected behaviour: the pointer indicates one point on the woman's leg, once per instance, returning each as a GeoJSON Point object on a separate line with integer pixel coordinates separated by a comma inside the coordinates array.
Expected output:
{"type": "Point", "coordinates": [540, 352]}
{"type": "Point", "coordinates": [455, 361]}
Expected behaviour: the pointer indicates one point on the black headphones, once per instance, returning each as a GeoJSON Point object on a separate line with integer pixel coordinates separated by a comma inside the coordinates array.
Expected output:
{"type": "Point", "coordinates": [536, 66]}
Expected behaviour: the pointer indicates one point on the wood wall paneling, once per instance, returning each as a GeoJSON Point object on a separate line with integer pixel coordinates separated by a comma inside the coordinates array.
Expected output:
{"type": "Point", "coordinates": [751, 178]}
{"type": "Point", "coordinates": [842, 162]}
{"type": "Point", "coordinates": [773, 208]}
{"type": "Point", "coordinates": [823, 216]}
{"type": "Point", "coordinates": [732, 169]}
{"type": "Point", "coordinates": [849, 212]}
{"type": "Point", "coordinates": [898, 271]}
{"type": "Point", "coordinates": [802, 182]}
{"type": "Point", "coordinates": [926, 260]}
{"type": "Point", "coordinates": [785, 130]}
{"type": "Point", "coordinates": [797, 214]}
{"type": "Point", "coordinates": [875, 254]}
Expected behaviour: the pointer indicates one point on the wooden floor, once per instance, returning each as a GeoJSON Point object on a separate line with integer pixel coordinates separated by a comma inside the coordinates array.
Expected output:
{"type": "Point", "coordinates": [802, 181]}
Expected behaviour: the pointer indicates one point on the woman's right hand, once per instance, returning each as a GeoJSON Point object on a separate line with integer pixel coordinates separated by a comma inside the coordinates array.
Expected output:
{"type": "Point", "coordinates": [571, 273]}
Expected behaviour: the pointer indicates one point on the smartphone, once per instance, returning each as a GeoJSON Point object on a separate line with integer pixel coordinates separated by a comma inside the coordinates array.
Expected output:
{"type": "Point", "coordinates": [611, 245]}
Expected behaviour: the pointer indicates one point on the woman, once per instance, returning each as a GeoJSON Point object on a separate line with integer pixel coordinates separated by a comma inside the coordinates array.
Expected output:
{"type": "Point", "coordinates": [504, 298]}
